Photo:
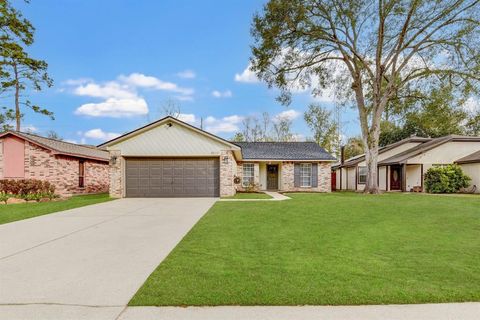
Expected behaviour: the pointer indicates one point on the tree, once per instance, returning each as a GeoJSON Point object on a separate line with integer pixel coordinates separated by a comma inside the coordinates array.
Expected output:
{"type": "Point", "coordinates": [324, 127]}
{"type": "Point", "coordinates": [373, 52]}
{"type": "Point", "coordinates": [473, 124]}
{"type": "Point", "coordinates": [353, 147]}
{"type": "Point", "coordinates": [238, 137]}
{"type": "Point", "coordinates": [53, 135]}
{"type": "Point", "coordinates": [171, 108]}
{"type": "Point", "coordinates": [282, 130]}
{"type": "Point", "coordinates": [19, 71]}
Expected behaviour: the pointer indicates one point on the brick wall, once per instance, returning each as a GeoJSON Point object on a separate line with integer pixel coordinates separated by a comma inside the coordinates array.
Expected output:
{"type": "Point", "coordinates": [227, 173]}
{"type": "Point", "coordinates": [62, 171]}
{"type": "Point", "coordinates": [116, 175]}
{"type": "Point", "coordinates": [256, 176]}
{"type": "Point", "coordinates": [324, 177]}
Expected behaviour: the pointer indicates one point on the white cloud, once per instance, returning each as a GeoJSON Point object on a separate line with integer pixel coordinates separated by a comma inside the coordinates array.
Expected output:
{"type": "Point", "coordinates": [29, 128]}
{"type": "Point", "coordinates": [187, 74]}
{"type": "Point", "coordinates": [115, 108]}
{"type": "Point", "coordinates": [184, 98]}
{"type": "Point", "coordinates": [224, 125]}
{"type": "Point", "coordinates": [143, 81]}
{"type": "Point", "coordinates": [472, 105]}
{"type": "Point", "coordinates": [287, 114]}
{"type": "Point", "coordinates": [71, 141]}
{"type": "Point", "coordinates": [187, 117]}
{"type": "Point", "coordinates": [220, 94]}
{"type": "Point", "coordinates": [99, 134]}
{"type": "Point", "coordinates": [247, 75]}
{"type": "Point", "coordinates": [110, 89]}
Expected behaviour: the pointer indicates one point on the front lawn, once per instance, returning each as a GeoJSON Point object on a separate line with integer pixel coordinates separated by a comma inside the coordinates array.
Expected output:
{"type": "Point", "coordinates": [332, 249]}
{"type": "Point", "coordinates": [14, 212]}
{"type": "Point", "coordinates": [249, 195]}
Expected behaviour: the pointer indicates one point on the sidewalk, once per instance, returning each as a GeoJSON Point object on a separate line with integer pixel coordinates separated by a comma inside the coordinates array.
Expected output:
{"type": "Point", "coordinates": [275, 197]}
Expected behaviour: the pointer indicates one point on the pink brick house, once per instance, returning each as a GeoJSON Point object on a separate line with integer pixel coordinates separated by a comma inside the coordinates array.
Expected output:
{"type": "Point", "coordinates": [71, 168]}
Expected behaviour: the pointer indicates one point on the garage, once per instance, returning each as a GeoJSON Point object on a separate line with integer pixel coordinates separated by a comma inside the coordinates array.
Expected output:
{"type": "Point", "coordinates": [172, 177]}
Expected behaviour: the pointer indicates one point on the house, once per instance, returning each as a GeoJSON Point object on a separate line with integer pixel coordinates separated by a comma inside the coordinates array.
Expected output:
{"type": "Point", "coordinates": [401, 165]}
{"type": "Point", "coordinates": [170, 158]}
{"type": "Point", "coordinates": [71, 168]}
{"type": "Point", "coordinates": [471, 166]}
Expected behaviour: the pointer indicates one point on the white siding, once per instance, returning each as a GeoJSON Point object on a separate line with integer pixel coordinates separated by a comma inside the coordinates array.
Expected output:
{"type": "Point", "coordinates": [446, 153]}
{"type": "Point", "coordinates": [414, 176]}
{"type": "Point", "coordinates": [263, 175]}
{"type": "Point", "coordinates": [473, 171]}
{"type": "Point", "coordinates": [337, 180]}
{"type": "Point", "coordinates": [176, 140]}
{"type": "Point", "coordinates": [351, 178]}
{"type": "Point", "coordinates": [382, 178]}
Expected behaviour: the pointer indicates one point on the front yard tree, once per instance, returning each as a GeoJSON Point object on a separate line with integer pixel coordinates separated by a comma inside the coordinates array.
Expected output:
{"type": "Point", "coordinates": [19, 71]}
{"type": "Point", "coordinates": [324, 127]}
{"type": "Point", "coordinates": [371, 51]}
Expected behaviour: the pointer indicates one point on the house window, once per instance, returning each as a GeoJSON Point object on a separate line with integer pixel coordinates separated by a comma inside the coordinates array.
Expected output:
{"type": "Point", "coordinates": [248, 174]}
{"type": "Point", "coordinates": [81, 174]}
{"type": "Point", "coordinates": [362, 175]}
{"type": "Point", "coordinates": [305, 175]}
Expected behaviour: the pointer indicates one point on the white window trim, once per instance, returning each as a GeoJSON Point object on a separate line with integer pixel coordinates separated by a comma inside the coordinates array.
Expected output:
{"type": "Point", "coordinates": [362, 167]}
{"type": "Point", "coordinates": [252, 177]}
{"type": "Point", "coordinates": [302, 175]}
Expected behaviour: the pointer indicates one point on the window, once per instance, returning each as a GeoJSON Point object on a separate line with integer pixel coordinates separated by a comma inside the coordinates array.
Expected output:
{"type": "Point", "coordinates": [362, 175]}
{"type": "Point", "coordinates": [305, 175]}
{"type": "Point", "coordinates": [81, 174]}
{"type": "Point", "coordinates": [248, 174]}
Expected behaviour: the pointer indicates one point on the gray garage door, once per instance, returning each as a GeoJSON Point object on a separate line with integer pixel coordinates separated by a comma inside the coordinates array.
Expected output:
{"type": "Point", "coordinates": [167, 177]}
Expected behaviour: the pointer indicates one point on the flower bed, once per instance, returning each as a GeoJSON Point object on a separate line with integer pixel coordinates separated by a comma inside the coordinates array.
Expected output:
{"type": "Point", "coordinates": [26, 190]}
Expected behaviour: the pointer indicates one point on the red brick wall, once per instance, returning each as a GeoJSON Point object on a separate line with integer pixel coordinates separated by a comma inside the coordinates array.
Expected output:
{"type": "Point", "coordinates": [62, 171]}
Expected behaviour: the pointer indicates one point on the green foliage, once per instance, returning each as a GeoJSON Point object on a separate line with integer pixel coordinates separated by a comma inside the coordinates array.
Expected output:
{"type": "Point", "coordinates": [445, 179]}
{"type": "Point", "coordinates": [324, 127]}
{"type": "Point", "coordinates": [18, 70]}
{"type": "Point", "coordinates": [353, 147]}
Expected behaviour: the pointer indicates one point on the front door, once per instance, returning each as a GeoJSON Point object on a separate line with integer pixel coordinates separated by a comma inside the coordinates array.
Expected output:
{"type": "Point", "coordinates": [272, 176]}
{"type": "Point", "coordinates": [395, 178]}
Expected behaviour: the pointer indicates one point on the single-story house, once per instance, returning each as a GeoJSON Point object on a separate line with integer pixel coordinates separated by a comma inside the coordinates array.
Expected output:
{"type": "Point", "coordinates": [71, 168]}
{"type": "Point", "coordinates": [471, 166]}
{"type": "Point", "coordinates": [170, 158]}
{"type": "Point", "coordinates": [401, 165]}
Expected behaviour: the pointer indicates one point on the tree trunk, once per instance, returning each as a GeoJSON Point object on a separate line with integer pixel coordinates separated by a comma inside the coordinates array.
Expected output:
{"type": "Point", "coordinates": [18, 115]}
{"type": "Point", "coordinates": [371, 158]}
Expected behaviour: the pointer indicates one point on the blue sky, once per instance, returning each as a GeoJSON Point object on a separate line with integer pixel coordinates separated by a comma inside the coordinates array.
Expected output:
{"type": "Point", "coordinates": [115, 63]}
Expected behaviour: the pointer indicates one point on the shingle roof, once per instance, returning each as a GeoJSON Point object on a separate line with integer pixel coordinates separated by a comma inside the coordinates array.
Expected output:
{"type": "Point", "coordinates": [283, 151]}
{"type": "Point", "coordinates": [63, 147]}
{"type": "Point", "coordinates": [471, 158]}
{"type": "Point", "coordinates": [412, 152]}
{"type": "Point", "coordinates": [359, 158]}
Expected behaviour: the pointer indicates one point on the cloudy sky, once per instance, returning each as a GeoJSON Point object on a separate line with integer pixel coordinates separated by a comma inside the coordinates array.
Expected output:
{"type": "Point", "coordinates": [115, 63]}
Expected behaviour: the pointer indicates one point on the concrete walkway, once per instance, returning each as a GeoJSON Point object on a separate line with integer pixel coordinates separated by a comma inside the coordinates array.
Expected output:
{"type": "Point", "coordinates": [88, 262]}
{"type": "Point", "coordinates": [447, 311]}
{"type": "Point", "coordinates": [275, 197]}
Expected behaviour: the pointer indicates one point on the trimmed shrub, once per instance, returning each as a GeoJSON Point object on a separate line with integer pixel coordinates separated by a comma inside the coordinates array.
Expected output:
{"type": "Point", "coordinates": [24, 187]}
{"type": "Point", "coordinates": [446, 179]}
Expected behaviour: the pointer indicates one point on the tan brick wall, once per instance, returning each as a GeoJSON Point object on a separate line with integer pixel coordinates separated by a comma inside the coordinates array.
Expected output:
{"type": "Point", "coordinates": [62, 171]}
{"type": "Point", "coordinates": [256, 175]}
{"type": "Point", "coordinates": [1, 158]}
{"type": "Point", "coordinates": [324, 178]}
{"type": "Point", "coordinates": [227, 174]}
{"type": "Point", "coordinates": [116, 175]}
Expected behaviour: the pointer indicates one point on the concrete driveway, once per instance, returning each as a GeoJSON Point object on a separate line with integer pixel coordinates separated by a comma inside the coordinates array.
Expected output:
{"type": "Point", "coordinates": [88, 262]}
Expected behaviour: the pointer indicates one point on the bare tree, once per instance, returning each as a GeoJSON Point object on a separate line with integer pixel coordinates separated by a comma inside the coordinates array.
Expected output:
{"type": "Point", "coordinates": [324, 127]}
{"type": "Point", "coordinates": [372, 52]}
{"type": "Point", "coordinates": [171, 108]}
{"type": "Point", "coordinates": [282, 130]}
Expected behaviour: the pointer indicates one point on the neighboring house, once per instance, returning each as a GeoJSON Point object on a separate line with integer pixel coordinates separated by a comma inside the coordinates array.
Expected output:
{"type": "Point", "coordinates": [71, 168]}
{"type": "Point", "coordinates": [471, 166]}
{"type": "Point", "coordinates": [170, 158]}
{"type": "Point", "coordinates": [401, 165]}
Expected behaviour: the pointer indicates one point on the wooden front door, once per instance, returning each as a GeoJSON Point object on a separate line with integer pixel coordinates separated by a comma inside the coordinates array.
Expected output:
{"type": "Point", "coordinates": [395, 178]}
{"type": "Point", "coordinates": [272, 176]}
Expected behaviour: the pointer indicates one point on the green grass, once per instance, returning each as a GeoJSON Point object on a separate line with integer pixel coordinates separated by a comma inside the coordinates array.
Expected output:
{"type": "Point", "coordinates": [249, 195]}
{"type": "Point", "coordinates": [331, 249]}
{"type": "Point", "coordinates": [15, 212]}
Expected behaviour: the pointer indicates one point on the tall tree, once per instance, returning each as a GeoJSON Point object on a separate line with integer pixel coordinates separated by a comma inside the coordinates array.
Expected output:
{"type": "Point", "coordinates": [376, 51]}
{"type": "Point", "coordinates": [353, 147]}
{"type": "Point", "coordinates": [324, 127]}
{"type": "Point", "coordinates": [282, 130]}
{"type": "Point", "coordinates": [19, 71]}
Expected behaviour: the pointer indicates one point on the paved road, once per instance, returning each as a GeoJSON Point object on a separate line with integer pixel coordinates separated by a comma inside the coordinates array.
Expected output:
{"type": "Point", "coordinates": [88, 262]}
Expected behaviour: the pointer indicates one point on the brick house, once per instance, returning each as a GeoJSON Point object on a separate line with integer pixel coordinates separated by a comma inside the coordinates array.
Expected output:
{"type": "Point", "coordinates": [170, 158]}
{"type": "Point", "coordinates": [71, 168]}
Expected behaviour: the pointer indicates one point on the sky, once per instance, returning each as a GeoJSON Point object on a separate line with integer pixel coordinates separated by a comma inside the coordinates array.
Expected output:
{"type": "Point", "coordinates": [116, 63]}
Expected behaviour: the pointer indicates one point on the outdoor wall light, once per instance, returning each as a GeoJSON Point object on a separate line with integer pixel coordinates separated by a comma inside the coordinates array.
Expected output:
{"type": "Point", "coordinates": [225, 159]}
{"type": "Point", "coordinates": [113, 160]}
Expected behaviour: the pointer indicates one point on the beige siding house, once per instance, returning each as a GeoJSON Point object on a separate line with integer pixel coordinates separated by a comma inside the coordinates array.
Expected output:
{"type": "Point", "coordinates": [471, 166]}
{"type": "Point", "coordinates": [170, 158]}
{"type": "Point", "coordinates": [402, 165]}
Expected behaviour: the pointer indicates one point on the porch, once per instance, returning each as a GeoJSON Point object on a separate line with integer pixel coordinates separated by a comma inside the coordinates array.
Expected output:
{"type": "Point", "coordinates": [401, 177]}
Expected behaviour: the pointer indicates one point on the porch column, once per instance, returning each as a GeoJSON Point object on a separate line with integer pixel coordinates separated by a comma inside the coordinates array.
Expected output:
{"type": "Point", "coordinates": [404, 177]}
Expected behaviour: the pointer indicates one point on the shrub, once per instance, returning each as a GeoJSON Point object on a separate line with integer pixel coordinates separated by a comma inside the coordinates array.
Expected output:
{"type": "Point", "coordinates": [446, 179]}
{"type": "Point", "coordinates": [24, 187]}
